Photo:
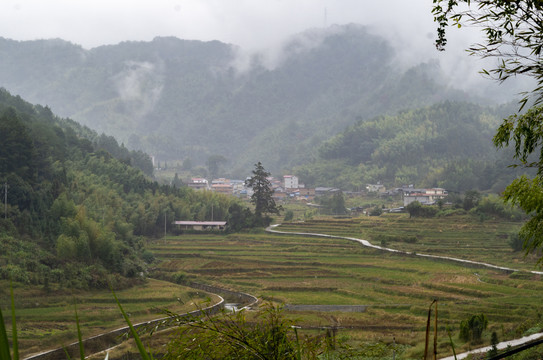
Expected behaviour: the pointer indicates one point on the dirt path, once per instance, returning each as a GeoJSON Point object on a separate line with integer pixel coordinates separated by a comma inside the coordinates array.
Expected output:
{"type": "Point", "coordinates": [366, 243]}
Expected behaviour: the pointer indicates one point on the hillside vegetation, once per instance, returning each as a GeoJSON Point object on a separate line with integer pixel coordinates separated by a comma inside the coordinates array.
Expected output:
{"type": "Point", "coordinates": [179, 99]}
{"type": "Point", "coordinates": [447, 145]}
{"type": "Point", "coordinates": [77, 212]}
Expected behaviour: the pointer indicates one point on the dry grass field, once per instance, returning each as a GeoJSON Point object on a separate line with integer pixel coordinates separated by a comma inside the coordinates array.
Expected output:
{"type": "Point", "coordinates": [47, 320]}
{"type": "Point", "coordinates": [397, 288]}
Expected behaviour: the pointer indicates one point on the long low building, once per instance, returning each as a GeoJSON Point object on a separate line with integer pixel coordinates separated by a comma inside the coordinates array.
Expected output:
{"type": "Point", "coordinates": [200, 225]}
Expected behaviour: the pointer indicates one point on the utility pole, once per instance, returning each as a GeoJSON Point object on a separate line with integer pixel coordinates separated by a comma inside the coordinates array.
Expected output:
{"type": "Point", "coordinates": [6, 200]}
{"type": "Point", "coordinates": [165, 217]}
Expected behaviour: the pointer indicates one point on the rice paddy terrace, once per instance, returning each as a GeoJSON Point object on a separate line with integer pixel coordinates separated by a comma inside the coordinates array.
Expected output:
{"type": "Point", "coordinates": [47, 320]}
{"type": "Point", "coordinates": [396, 288]}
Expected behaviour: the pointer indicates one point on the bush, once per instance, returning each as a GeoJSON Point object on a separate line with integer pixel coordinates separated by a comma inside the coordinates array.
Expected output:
{"type": "Point", "coordinates": [416, 209]}
{"type": "Point", "coordinates": [516, 242]}
{"type": "Point", "coordinates": [472, 329]}
{"type": "Point", "coordinates": [376, 211]}
{"type": "Point", "coordinates": [289, 215]}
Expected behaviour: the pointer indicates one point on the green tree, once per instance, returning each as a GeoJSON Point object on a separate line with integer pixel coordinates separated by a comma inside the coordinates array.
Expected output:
{"type": "Point", "coordinates": [214, 163]}
{"type": "Point", "coordinates": [176, 181]}
{"type": "Point", "coordinates": [513, 33]}
{"type": "Point", "coordinates": [262, 197]}
{"type": "Point", "coordinates": [471, 199]}
{"type": "Point", "coordinates": [472, 328]}
{"type": "Point", "coordinates": [266, 334]}
{"type": "Point", "coordinates": [289, 215]}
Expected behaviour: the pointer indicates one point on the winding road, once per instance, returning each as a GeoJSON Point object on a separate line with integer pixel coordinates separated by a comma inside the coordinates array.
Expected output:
{"type": "Point", "coordinates": [502, 345]}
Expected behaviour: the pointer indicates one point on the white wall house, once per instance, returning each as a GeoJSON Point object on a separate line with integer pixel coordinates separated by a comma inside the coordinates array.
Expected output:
{"type": "Point", "coordinates": [290, 181]}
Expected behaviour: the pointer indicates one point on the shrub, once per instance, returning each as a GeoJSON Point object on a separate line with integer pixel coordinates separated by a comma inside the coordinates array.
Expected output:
{"type": "Point", "coordinates": [289, 215]}
{"type": "Point", "coordinates": [376, 211]}
{"type": "Point", "coordinates": [472, 328]}
{"type": "Point", "coordinates": [516, 242]}
{"type": "Point", "coordinates": [416, 209]}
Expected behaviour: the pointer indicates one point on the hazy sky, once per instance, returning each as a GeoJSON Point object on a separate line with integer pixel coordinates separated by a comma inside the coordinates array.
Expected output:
{"type": "Point", "coordinates": [251, 24]}
{"type": "Point", "coordinates": [255, 25]}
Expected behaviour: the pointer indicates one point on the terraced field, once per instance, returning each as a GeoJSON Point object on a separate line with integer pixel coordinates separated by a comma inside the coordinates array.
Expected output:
{"type": "Point", "coordinates": [47, 321]}
{"type": "Point", "coordinates": [397, 288]}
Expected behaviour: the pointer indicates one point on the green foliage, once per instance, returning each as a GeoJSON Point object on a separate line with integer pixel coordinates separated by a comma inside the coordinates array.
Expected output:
{"type": "Point", "coordinates": [513, 34]}
{"type": "Point", "coordinates": [445, 145]}
{"type": "Point", "coordinates": [333, 204]}
{"type": "Point", "coordinates": [289, 215]}
{"type": "Point", "coordinates": [471, 199]}
{"type": "Point", "coordinates": [528, 195]}
{"type": "Point", "coordinates": [516, 242]}
{"type": "Point", "coordinates": [262, 197]}
{"type": "Point", "coordinates": [72, 200]}
{"type": "Point", "coordinates": [4, 344]}
{"type": "Point", "coordinates": [512, 30]}
{"type": "Point", "coordinates": [492, 205]}
{"type": "Point", "coordinates": [214, 163]}
{"type": "Point", "coordinates": [416, 209]}
{"type": "Point", "coordinates": [266, 335]}
{"type": "Point", "coordinates": [472, 329]}
{"type": "Point", "coordinates": [279, 115]}
{"type": "Point", "coordinates": [494, 342]}
{"type": "Point", "coordinates": [239, 217]}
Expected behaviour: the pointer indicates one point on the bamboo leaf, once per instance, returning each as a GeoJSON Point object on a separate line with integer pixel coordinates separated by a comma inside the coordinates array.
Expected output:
{"type": "Point", "coordinates": [139, 343]}
{"type": "Point", "coordinates": [14, 325]}
{"type": "Point", "coordinates": [79, 337]}
{"type": "Point", "coordinates": [4, 344]}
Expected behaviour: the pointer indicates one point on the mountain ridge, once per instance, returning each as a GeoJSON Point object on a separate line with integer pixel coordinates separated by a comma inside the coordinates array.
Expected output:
{"type": "Point", "coordinates": [180, 99]}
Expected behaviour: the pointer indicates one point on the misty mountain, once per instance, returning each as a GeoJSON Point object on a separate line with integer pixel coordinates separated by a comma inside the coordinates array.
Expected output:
{"type": "Point", "coordinates": [179, 99]}
{"type": "Point", "coordinates": [445, 145]}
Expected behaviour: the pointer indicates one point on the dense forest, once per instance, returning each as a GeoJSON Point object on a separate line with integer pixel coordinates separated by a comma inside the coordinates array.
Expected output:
{"type": "Point", "coordinates": [445, 145]}
{"type": "Point", "coordinates": [179, 99]}
{"type": "Point", "coordinates": [77, 210]}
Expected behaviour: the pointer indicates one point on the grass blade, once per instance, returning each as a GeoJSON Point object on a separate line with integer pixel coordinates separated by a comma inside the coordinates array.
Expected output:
{"type": "Point", "coordinates": [79, 337]}
{"type": "Point", "coordinates": [4, 344]}
{"type": "Point", "coordinates": [14, 325]}
{"type": "Point", "coordinates": [139, 343]}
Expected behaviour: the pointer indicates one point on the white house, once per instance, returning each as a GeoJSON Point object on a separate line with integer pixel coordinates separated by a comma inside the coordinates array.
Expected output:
{"type": "Point", "coordinates": [201, 225]}
{"type": "Point", "coordinates": [424, 196]}
{"type": "Point", "coordinates": [290, 182]}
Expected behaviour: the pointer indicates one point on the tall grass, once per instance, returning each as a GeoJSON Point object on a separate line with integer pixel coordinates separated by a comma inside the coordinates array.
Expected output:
{"type": "Point", "coordinates": [4, 344]}
{"type": "Point", "coordinates": [5, 353]}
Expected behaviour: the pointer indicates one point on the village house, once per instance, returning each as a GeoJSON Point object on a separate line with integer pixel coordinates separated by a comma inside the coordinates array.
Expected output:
{"type": "Point", "coordinates": [200, 225]}
{"type": "Point", "coordinates": [198, 184]}
{"type": "Point", "coordinates": [306, 194]}
{"type": "Point", "coordinates": [378, 188]}
{"type": "Point", "coordinates": [290, 182]}
{"type": "Point", "coordinates": [424, 196]}
{"type": "Point", "coordinates": [321, 191]}
{"type": "Point", "coordinates": [226, 189]}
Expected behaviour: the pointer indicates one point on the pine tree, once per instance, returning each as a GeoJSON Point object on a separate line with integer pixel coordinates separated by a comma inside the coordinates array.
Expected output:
{"type": "Point", "coordinates": [262, 192]}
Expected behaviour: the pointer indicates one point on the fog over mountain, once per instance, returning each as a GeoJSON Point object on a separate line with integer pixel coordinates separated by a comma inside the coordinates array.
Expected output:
{"type": "Point", "coordinates": [180, 99]}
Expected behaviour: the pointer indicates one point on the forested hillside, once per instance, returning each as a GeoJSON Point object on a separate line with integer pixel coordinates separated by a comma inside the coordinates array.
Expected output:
{"type": "Point", "coordinates": [179, 99]}
{"type": "Point", "coordinates": [77, 212]}
{"type": "Point", "coordinates": [447, 145]}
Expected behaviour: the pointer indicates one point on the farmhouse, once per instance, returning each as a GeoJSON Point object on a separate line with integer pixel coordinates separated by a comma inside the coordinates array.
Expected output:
{"type": "Point", "coordinates": [200, 225]}
{"type": "Point", "coordinates": [290, 181]}
{"type": "Point", "coordinates": [198, 184]}
{"type": "Point", "coordinates": [424, 196]}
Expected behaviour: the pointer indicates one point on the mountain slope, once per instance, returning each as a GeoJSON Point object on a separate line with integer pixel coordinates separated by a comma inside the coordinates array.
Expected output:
{"type": "Point", "coordinates": [447, 145]}
{"type": "Point", "coordinates": [181, 99]}
{"type": "Point", "coordinates": [77, 212]}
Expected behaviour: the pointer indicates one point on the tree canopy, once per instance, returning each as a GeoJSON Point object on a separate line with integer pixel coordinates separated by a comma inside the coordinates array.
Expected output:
{"type": "Point", "coordinates": [513, 33]}
{"type": "Point", "coordinates": [262, 197]}
{"type": "Point", "coordinates": [77, 210]}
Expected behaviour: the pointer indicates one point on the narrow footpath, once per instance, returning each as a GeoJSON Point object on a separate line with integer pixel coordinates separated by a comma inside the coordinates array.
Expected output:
{"type": "Point", "coordinates": [500, 346]}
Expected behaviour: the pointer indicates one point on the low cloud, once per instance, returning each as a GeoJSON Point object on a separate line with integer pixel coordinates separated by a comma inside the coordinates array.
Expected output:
{"type": "Point", "coordinates": [139, 86]}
